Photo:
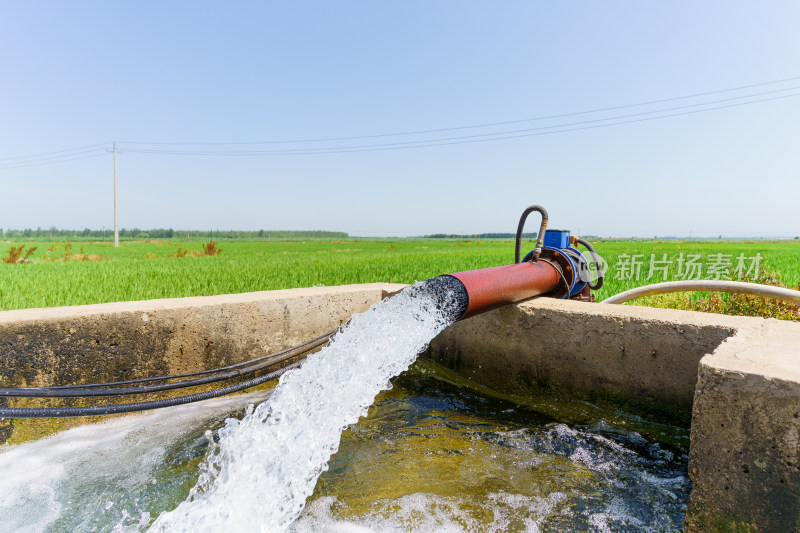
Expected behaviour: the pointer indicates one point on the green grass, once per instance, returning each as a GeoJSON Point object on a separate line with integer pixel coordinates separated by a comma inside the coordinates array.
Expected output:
{"type": "Point", "coordinates": [145, 270]}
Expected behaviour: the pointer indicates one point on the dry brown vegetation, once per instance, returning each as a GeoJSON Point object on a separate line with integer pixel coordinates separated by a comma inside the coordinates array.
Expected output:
{"type": "Point", "coordinates": [732, 304]}
{"type": "Point", "coordinates": [210, 248]}
{"type": "Point", "coordinates": [67, 254]}
{"type": "Point", "coordinates": [15, 254]}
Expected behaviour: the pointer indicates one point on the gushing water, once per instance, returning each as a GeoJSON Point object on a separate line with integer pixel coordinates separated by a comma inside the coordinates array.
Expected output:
{"type": "Point", "coordinates": [428, 458]}
{"type": "Point", "coordinates": [259, 473]}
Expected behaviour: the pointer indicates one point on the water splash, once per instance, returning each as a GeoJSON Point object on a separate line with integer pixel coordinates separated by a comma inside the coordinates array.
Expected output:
{"type": "Point", "coordinates": [260, 472]}
{"type": "Point", "coordinates": [89, 477]}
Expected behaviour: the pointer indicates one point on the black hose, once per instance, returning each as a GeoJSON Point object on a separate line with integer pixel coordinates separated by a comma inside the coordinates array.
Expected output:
{"type": "Point", "coordinates": [539, 238]}
{"type": "Point", "coordinates": [32, 392]}
{"type": "Point", "coordinates": [95, 410]}
{"type": "Point", "coordinates": [597, 264]}
{"type": "Point", "coordinates": [223, 373]}
{"type": "Point", "coordinates": [314, 341]}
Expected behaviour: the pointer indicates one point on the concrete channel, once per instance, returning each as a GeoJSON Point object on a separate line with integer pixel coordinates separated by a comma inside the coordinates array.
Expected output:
{"type": "Point", "coordinates": [735, 379]}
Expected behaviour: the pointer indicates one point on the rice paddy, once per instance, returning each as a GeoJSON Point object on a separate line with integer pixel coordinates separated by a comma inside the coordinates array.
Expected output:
{"type": "Point", "coordinates": [77, 273]}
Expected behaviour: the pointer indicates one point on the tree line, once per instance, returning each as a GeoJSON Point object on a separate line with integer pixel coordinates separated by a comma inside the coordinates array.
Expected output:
{"type": "Point", "coordinates": [165, 233]}
{"type": "Point", "coordinates": [481, 236]}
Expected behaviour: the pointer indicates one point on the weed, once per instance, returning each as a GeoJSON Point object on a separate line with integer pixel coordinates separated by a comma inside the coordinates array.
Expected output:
{"type": "Point", "coordinates": [748, 305]}
{"type": "Point", "coordinates": [733, 304]}
{"type": "Point", "coordinates": [67, 254]}
{"type": "Point", "coordinates": [15, 254]}
{"type": "Point", "coordinates": [210, 248]}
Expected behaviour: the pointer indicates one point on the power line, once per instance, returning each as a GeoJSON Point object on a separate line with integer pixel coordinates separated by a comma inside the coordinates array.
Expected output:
{"type": "Point", "coordinates": [47, 154]}
{"type": "Point", "coordinates": [485, 125]}
{"type": "Point", "coordinates": [97, 150]}
{"type": "Point", "coordinates": [96, 153]}
{"type": "Point", "coordinates": [512, 134]}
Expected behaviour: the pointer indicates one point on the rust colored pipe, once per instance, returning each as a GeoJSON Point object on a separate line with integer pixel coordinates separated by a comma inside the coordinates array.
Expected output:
{"type": "Point", "coordinates": [490, 288]}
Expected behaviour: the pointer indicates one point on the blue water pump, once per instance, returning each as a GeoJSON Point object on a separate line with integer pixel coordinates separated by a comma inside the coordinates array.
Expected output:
{"type": "Point", "coordinates": [574, 268]}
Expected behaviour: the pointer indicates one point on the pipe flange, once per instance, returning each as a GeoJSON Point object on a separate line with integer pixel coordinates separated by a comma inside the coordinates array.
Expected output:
{"type": "Point", "coordinates": [564, 267]}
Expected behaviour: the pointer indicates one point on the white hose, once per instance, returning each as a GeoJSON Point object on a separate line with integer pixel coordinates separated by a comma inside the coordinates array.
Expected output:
{"type": "Point", "coordinates": [767, 291]}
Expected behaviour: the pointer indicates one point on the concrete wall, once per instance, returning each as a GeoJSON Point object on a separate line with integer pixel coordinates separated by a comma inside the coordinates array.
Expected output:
{"type": "Point", "coordinates": [736, 379]}
{"type": "Point", "coordinates": [128, 340]}
{"type": "Point", "coordinates": [744, 458]}
{"type": "Point", "coordinates": [636, 355]}
{"type": "Point", "coordinates": [91, 343]}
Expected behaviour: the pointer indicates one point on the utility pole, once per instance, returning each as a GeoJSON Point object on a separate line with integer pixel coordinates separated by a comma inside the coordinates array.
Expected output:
{"type": "Point", "coordinates": [116, 223]}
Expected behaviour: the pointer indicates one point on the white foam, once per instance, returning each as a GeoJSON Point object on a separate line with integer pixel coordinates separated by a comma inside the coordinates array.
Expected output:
{"type": "Point", "coordinates": [423, 512]}
{"type": "Point", "coordinates": [46, 479]}
{"type": "Point", "coordinates": [258, 475]}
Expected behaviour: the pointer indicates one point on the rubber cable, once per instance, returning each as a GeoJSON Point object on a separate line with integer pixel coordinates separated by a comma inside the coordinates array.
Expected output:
{"type": "Point", "coordinates": [96, 410]}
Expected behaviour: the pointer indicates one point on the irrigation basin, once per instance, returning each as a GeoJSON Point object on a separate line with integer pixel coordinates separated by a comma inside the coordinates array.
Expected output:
{"type": "Point", "coordinates": [432, 454]}
{"type": "Point", "coordinates": [736, 380]}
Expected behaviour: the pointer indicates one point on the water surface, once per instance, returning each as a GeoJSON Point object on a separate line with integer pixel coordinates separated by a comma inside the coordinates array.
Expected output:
{"type": "Point", "coordinates": [430, 456]}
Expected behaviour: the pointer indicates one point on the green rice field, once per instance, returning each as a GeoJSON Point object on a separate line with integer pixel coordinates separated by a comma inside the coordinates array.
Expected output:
{"type": "Point", "coordinates": [61, 273]}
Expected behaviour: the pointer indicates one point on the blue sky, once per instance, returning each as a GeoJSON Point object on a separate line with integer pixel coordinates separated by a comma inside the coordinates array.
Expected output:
{"type": "Point", "coordinates": [91, 73]}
